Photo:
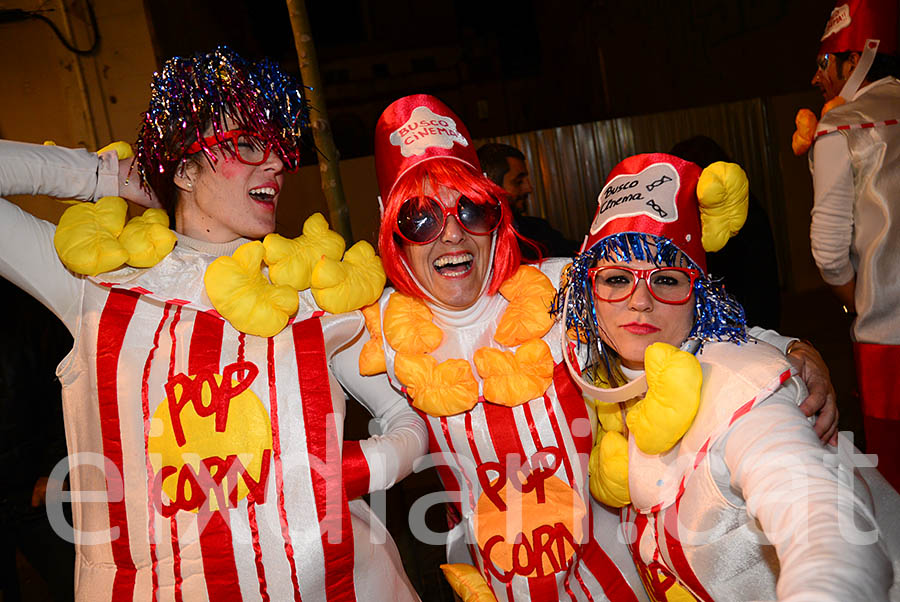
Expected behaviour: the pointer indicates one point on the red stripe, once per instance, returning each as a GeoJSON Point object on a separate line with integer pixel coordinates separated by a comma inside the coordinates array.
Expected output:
{"type": "Point", "coordinates": [251, 511]}
{"type": "Point", "coordinates": [543, 588]}
{"type": "Point", "coordinates": [580, 580]}
{"type": "Point", "coordinates": [355, 469]}
{"type": "Point", "coordinates": [216, 546]}
{"type": "Point", "coordinates": [676, 555]}
{"type": "Point", "coordinates": [145, 410]}
{"type": "Point", "coordinates": [324, 447]}
{"type": "Point", "coordinates": [470, 435]}
{"type": "Point", "coordinates": [173, 520]}
{"type": "Point", "coordinates": [176, 558]}
{"type": "Point", "coordinates": [501, 423]}
{"type": "Point", "coordinates": [445, 427]}
{"type": "Point", "coordinates": [867, 125]}
{"type": "Point", "coordinates": [279, 475]}
{"type": "Point", "coordinates": [242, 341]}
{"type": "Point", "coordinates": [843, 127]}
{"type": "Point", "coordinates": [557, 432]}
{"type": "Point", "coordinates": [257, 550]}
{"type": "Point", "coordinates": [114, 322]}
{"type": "Point", "coordinates": [656, 577]}
{"type": "Point", "coordinates": [605, 571]}
{"type": "Point", "coordinates": [876, 370]}
{"type": "Point", "coordinates": [447, 475]}
{"type": "Point", "coordinates": [529, 420]}
{"type": "Point", "coordinates": [566, 584]}
{"type": "Point", "coordinates": [574, 408]}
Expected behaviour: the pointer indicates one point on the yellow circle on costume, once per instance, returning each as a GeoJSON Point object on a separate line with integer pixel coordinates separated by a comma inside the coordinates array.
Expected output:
{"type": "Point", "coordinates": [531, 536]}
{"type": "Point", "coordinates": [212, 453]}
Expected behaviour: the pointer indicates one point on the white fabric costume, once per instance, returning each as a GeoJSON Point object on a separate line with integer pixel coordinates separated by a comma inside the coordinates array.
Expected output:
{"type": "Point", "coordinates": [749, 504]}
{"type": "Point", "coordinates": [147, 414]}
{"type": "Point", "coordinates": [855, 228]}
{"type": "Point", "coordinates": [471, 451]}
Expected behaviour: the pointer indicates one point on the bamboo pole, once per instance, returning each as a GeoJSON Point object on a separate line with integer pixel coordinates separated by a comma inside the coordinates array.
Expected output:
{"type": "Point", "coordinates": [329, 166]}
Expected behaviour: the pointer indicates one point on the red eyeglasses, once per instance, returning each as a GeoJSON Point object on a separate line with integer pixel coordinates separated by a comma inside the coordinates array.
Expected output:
{"type": "Point", "coordinates": [422, 219]}
{"type": "Point", "coordinates": [668, 285]}
{"type": "Point", "coordinates": [247, 147]}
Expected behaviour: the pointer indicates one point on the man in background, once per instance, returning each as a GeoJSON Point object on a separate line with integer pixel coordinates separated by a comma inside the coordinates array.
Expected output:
{"type": "Point", "coordinates": [505, 166]}
{"type": "Point", "coordinates": [855, 229]}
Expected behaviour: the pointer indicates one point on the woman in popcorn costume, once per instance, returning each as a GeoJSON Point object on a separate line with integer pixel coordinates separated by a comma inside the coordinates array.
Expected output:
{"type": "Point", "coordinates": [466, 336]}
{"type": "Point", "coordinates": [701, 439]}
{"type": "Point", "coordinates": [198, 400]}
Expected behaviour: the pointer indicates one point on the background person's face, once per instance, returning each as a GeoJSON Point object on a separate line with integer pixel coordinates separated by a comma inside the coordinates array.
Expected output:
{"type": "Point", "coordinates": [832, 78]}
{"type": "Point", "coordinates": [517, 184]}
{"type": "Point", "coordinates": [633, 324]}
{"type": "Point", "coordinates": [454, 267]}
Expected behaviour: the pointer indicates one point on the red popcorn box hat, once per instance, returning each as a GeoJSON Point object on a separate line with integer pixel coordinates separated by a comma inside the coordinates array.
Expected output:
{"type": "Point", "coordinates": [853, 22]}
{"type": "Point", "coordinates": [414, 129]}
{"type": "Point", "coordinates": [652, 194]}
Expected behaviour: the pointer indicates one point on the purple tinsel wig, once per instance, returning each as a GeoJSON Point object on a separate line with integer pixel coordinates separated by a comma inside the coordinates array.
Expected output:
{"type": "Point", "coordinates": [191, 94]}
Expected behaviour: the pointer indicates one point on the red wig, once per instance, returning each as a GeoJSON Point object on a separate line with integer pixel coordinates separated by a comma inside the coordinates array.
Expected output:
{"type": "Point", "coordinates": [464, 179]}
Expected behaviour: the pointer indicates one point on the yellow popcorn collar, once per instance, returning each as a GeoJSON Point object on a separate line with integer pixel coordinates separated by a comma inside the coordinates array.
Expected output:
{"type": "Point", "coordinates": [510, 376]}
{"type": "Point", "coordinates": [262, 304]}
{"type": "Point", "coordinates": [94, 240]}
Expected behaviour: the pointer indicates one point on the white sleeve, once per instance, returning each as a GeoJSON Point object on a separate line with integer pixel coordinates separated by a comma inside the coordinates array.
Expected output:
{"type": "Point", "coordinates": [831, 228]}
{"type": "Point", "coordinates": [818, 517]}
{"type": "Point", "coordinates": [403, 439]}
{"type": "Point", "coordinates": [28, 258]}
{"type": "Point", "coordinates": [771, 337]}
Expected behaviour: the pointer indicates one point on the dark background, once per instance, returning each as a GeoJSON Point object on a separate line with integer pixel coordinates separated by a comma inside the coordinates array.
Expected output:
{"type": "Point", "coordinates": [512, 66]}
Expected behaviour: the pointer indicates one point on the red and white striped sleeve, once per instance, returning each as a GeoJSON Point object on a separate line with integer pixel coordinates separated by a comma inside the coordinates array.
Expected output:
{"type": "Point", "coordinates": [384, 458]}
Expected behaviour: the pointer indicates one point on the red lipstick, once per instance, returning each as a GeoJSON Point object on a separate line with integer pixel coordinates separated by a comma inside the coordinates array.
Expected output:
{"type": "Point", "coordinates": [640, 328]}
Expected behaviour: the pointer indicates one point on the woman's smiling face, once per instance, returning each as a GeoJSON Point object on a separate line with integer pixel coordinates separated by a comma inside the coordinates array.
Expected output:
{"type": "Point", "coordinates": [453, 268]}
{"type": "Point", "coordinates": [229, 200]}
{"type": "Point", "coordinates": [633, 324]}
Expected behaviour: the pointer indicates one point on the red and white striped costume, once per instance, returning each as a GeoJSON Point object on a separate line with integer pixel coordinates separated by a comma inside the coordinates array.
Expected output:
{"type": "Point", "coordinates": [210, 487]}
{"type": "Point", "coordinates": [747, 504]}
{"type": "Point", "coordinates": [472, 449]}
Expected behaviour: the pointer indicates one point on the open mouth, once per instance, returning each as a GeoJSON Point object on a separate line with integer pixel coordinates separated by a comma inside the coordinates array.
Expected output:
{"type": "Point", "coordinates": [451, 266]}
{"type": "Point", "coordinates": [263, 194]}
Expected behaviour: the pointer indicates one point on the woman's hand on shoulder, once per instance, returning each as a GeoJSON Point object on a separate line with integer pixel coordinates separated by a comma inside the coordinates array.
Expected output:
{"type": "Point", "coordinates": [130, 187]}
{"type": "Point", "coordinates": [822, 400]}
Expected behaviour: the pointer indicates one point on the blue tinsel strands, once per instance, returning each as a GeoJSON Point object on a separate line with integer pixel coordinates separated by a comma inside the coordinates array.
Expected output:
{"type": "Point", "coordinates": [717, 317]}
{"type": "Point", "coordinates": [194, 93]}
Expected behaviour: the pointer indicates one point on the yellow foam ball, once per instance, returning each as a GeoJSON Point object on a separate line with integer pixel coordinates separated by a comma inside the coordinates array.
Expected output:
{"type": "Point", "coordinates": [86, 238]}
{"type": "Point", "coordinates": [242, 295]}
{"type": "Point", "coordinates": [468, 583]}
{"type": "Point", "coordinates": [291, 261]}
{"type": "Point", "coordinates": [147, 238]}
{"type": "Point", "coordinates": [356, 281]}
{"type": "Point", "coordinates": [608, 468]}
{"type": "Point", "coordinates": [723, 192]}
{"type": "Point", "coordinates": [674, 378]}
